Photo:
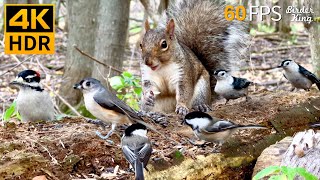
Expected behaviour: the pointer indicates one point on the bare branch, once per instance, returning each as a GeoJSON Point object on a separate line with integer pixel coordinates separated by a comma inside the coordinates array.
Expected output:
{"type": "Point", "coordinates": [96, 60]}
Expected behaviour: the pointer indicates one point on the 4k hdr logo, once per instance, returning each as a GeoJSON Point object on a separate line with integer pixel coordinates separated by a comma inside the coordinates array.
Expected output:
{"type": "Point", "coordinates": [29, 29]}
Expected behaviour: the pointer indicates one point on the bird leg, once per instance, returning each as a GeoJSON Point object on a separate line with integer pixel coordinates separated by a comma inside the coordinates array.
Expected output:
{"type": "Point", "coordinates": [113, 127]}
{"type": "Point", "coordinates": [226, 102]}
{"type": "Point", "coordinates": [248, 98]}
{"type": "Point", "coordinates": [217, 147]}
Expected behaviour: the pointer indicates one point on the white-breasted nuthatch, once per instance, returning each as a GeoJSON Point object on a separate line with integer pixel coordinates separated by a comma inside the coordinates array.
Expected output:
{"type": "Point", "coordinates": [230, 87]}
{"type": "Point", "coordinates": [298, 76]}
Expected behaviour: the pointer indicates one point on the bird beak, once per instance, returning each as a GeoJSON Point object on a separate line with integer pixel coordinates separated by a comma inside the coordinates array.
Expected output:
{"type": "Point", "coordinates": [77, 86]}
{"type": "Point", "coordinates": [17, 81]}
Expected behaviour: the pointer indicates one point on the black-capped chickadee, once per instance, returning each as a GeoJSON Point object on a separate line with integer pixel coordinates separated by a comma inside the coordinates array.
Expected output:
{"type": "Point", "coordinates": [230, 87]}
{"type": "Point", "coordinates": [33, 102]}
{"type": "Point", "coordinates": [212, 129]}
{"type": "Point", "coordinates": [106, 106]}
{"type": "Point", "coordinates": [136, 147]}
{"type": "Point", "coordinates": [298, 76]}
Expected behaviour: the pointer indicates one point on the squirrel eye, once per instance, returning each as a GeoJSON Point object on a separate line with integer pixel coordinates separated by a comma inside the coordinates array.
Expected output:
{"type": "Point", "coordinates": [140, 45]}
{"type": "Point", "coordinates": [88, 84]}
{"type": "Point", "coordinates": [164, 45]}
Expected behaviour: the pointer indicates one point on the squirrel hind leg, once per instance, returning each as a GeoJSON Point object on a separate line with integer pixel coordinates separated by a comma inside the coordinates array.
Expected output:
{"type": "Point", "coordinates": [201, 100]}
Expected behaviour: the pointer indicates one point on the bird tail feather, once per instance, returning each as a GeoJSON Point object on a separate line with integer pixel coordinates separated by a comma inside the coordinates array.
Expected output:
{"type": "Point", "coordinates": [138, 169]}
{"type": "Point", "coordinates": [252, 126]}
{"type": "Point", "coordinates": [318, 85]}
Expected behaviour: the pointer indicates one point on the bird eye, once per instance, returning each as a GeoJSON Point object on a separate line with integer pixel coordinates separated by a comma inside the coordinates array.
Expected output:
{"type": "Point", "coordinates": [88, 84]}
{"type": "Point", "coordinates": [164, 45]}
{"type": "Point", "coordinates": [28, 80]}
{"type": "Point", "coordinates": [222, 74]}
{"type": "Point", "coordinates": [140, 45]}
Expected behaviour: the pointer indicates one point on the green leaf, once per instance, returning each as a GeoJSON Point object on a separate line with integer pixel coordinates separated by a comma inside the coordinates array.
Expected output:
{"type": "Point", "coordinates": [9, 112]}
{"type": "Point", "coordinates": [138, 90]}
{"type": "Point", "coordinates": [278, 177]}
{"type": "Point", "coordinates": [127, 74]}
{"type": "Point", "coordinates": [267, 171]}
{"type": "Point", "coordinates": [289, 172]}
{"type": "Point", "coordinates": [116, 82]}
{"type": "Point", "coordinates": [18, 115]}
{"type": "Point", "coordinates": [304, 173]}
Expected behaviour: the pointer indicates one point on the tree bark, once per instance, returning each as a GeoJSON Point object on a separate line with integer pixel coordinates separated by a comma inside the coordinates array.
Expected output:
{"type": "Point", "coordinates": [82, 26]}
{"type": "Point", "coordinates": [112, 30]}
{"type": "Point", "coordinates": [314, 38]}
{"type": "Point", "coordinates": [284, 23]}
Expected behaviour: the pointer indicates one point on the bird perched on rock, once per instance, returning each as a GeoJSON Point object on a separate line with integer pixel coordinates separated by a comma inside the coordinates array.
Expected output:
{"type": "Point", "coordinates": [298, 76]}
{"type": "Point", "coordinates": [106, 106]}
{"type": "Point", "coordinates": [136, 147]}
{"type": "Point", "coordinates": [230, 87]}
{"type": "Point", "coordinates": [33, 102]}
{"type": "Point", "coordinates": [212, 129]}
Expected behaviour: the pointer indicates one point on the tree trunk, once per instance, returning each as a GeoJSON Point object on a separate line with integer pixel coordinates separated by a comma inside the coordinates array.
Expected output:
{"type": "Point", "coordinates": [314, 38]}
{"type": "Point", "coordinates": [82, 26]}
{"type": "Point", "coordinates": [112, 30]}
{"type": "Point", "coordinates": [284, 23]}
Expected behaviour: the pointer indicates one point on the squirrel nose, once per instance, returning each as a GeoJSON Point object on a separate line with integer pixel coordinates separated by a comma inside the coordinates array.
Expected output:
{"type": "Point", "coordinates": [147, 61]}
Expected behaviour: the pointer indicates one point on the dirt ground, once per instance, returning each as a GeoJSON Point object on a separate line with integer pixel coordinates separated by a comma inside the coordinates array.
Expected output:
{"type": "Point", "coordinates": [70, 149]}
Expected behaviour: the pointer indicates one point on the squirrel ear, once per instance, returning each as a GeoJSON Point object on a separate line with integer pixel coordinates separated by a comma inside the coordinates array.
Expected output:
{"type": "Point", "coordinates": [170, 28]}
{"type": "Point", "coordinates": [146, 25]}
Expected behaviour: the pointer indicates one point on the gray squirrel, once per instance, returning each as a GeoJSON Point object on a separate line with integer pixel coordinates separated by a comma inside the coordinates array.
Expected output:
{"type": "Point", "coordinates": [179, 56]}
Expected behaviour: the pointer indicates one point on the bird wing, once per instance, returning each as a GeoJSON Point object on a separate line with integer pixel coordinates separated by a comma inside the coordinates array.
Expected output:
{"type": "Point", "coordinates": [285, 76]}
{"type": "Point", "coordinates": [112, 102]}
{"type": "Point", "coordinates": [313, 78]}
{"type": "Point", "coordinates": [145, 153]}
{"type": "Point", "coordinates": [240, 83]}
{"type": "Point", "coordinates": [129, 155]}
{"type": "Point", "coordinates": [219, 126]}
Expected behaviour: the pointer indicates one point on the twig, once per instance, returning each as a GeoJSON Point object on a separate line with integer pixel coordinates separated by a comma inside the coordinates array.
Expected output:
{"type": "Point", "coordinates": [283, 48]}
{"type": "Point", "coordinates": [21, 62]}
{"type": "Point", "coordinates": [96, 60]}
{"type": "Point", "coordinates": [50, 89]}
{"type": "Point", "coordinates": [54, 160]}
{"type": "Point", "coordinates": [257, 68]}
{"type": "Point", "coordinates": [63, 100]}
{"type": "Point", "coordinates": [137, 20]}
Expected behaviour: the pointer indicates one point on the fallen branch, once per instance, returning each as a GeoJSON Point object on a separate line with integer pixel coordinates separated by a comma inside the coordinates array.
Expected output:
{"type": "Point", "coordinates": [257, 68]}
{"type": "Point", "coordinates": [283, 48]}
{"type": "Point", "coordinates": [96, 60]}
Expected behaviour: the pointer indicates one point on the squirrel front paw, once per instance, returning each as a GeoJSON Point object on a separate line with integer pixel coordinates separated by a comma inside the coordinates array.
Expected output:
{"type": "Point", "coordinates": [182, 110]}
{"type": "Point", "coordinates": [202, 107]}
{"type": "Point", "coordinates": [149, 99]}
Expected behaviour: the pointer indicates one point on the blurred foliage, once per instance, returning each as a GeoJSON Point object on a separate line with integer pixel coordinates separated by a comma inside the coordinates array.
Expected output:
{"type": "Point", "coordinates": [11, 112]}
{"type": "Point", "coordinates": [284, 173]}
{"type": "Point", "coordinates": [262, 28]}
{"type": "Point", "coordinates": [128, 88]}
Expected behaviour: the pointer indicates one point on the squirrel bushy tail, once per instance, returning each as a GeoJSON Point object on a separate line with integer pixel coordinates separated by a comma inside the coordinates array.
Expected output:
{"type": "Point", "coordinates": [201, 26]}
